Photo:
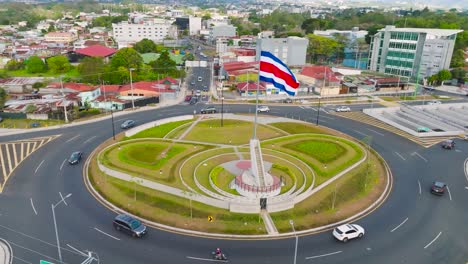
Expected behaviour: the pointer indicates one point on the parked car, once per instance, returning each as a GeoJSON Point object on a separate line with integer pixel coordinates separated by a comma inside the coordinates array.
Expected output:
{"type": "Point", "coordinates": [288, 101]}
{"type": "Point", "coordinates": [75, 157]}
{"type": "Point", "coordinates": [35, 124]}
{"type": "Point", "coordinates": [188, 98]}
{"type": "Point", "coordinates": [434, 102]}
{"type": "Point", "coordinates": [205, 88]}
{"type": "Point", "coordinates": [438, 188]}
{"type": "Point", "coordinates": [194, 100]}
{"type": "Point", "coordinates": [197, 93]}
{"type": "Point", "coordinates": [423, 129]}
{"type": "Point", "coordinates": [448, 144]}
{"type": "Point", "coordinates": [129, 225]}
{"type": "Point", "coordinates": [343, 108]}
{"type": "Point", "coordinates": [348, 231]}
{"type": "Point", "coordinates": [263, 108]}
{"type": "Point", "coordinates": [208, 110]}
{"type": "Point", "coordinates": [127, 124]}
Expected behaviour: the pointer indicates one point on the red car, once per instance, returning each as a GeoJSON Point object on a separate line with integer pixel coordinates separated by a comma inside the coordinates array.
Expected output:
{"type": "Point", "coordinates": [188, 98]}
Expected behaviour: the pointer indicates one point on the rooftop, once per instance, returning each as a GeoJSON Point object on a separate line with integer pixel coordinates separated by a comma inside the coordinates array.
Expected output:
{"type": "Point", "coordinates": [96, 51]}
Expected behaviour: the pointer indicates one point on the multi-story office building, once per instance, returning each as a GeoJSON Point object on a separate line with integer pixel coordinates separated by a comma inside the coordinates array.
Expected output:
{"type": "Point", "coordinates": [156, 30]}
{"type": "Point", "coordinates": [60, 37]}
{"type": "Point", "coordinates": [195, 25]}
{"type": "Point", "coordinates": [290, 50]}
{"type": "Point", "coordinates": [412, 51]}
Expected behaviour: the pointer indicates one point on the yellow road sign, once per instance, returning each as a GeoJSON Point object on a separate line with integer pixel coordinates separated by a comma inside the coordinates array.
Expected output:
{"type": "Point", "coordinates": [210, 218]}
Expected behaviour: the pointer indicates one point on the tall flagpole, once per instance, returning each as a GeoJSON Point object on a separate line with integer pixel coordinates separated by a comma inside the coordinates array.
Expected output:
{"type": "Point", "coordinates": [256, 103]}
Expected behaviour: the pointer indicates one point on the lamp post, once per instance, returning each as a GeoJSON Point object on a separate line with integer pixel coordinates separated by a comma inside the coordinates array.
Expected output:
{"type": "Point", "coordinates": [55, 223]}
{"type": "Point", "coordinates": [291, 222]}
{"type": "Point", "coordinates": [131, 88]}
{"type": "Point", "coordinates": [64, 100]}
{"type": "Point", "coordinates": [318, 112]}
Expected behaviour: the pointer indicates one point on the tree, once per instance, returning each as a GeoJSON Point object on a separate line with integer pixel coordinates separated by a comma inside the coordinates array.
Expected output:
{"type": "Point", "coordinates": [321, 48]}
{"type": "Point", "coordinates": [145, 46]}
{"type": "Point", "coordinates": [371, 31]}
{"type": "Point", "coordinates": [34, 64]}
{"type": "Point", "coordinates": [3, 97]}
{"type": "Point", "coordinates": [59, 64]}
{"type": "Point", "coordinates": [127, 58]}
{"type": "Point", "coordinates": [458, 59]}
{"type": "Point", "coordinates": [444, 75]}
{"type": "Point", "coordinates": [90, 68]}
{"type": "Point", "coordinates": [14, 65]}
{"type": "Point", "coordinates": [164, 64]}
{"type": "Point", "coordinates": [459, 74]}
{"type": "Point", "coordinates": [206, 17]}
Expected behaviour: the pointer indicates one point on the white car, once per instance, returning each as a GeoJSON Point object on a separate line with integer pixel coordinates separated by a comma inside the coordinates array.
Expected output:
{"type": "Point", "coordinates": [434, 102]}
{"type": "Point", "coordinates": [348, 231]}
{"type": "Point", "coordinates": [343, 109]}
{"type": "Point", "coordinates": [263, 108]}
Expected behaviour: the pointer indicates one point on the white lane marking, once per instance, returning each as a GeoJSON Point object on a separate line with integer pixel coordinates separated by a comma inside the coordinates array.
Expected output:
{"type": "Point", "coordinates": [378, 133]}
{"type": "Point", "coordinates": [399, 155]}
{"type": "Point", "coordinates": [417, 154]}
{"type": "Point", "coordinates": [118, 120]}
{"type": "Point", "coordinates": [102, 232]}
{"type": "Point", "coordinates": [419, 183]}
{"type": "Point", "coordinates": [457, 150]}
{"type": "Point", "coordinates": [63, 162]}
{"type": "Point", "coordinates": [206, 259]}
{"type": "Point", "coordinates": [73, 138]}
{"type": "Point", "coordinates": [466, 169]}
{"type": "Point", "coordinates": [450, 195]}
{"type": "Point", "coordinates": [61, 196]}
{"type": "Point", "coordinates": [32, 205]}
{"type": "Point", "coordinates": [79, 252]}
{"type": "Point", "coordinates": [398, 226]}
{"type": "Point", "coordinates": [360, 133]}
{"type": "Point", "coordinates": [301, 107]}
{"type": "Point", "coordinates": [433, 240]}
{"type": "Point", "coordinates": [20, 259]}
{"type": "Point", "coordinates": [89, 139]}
{"type": "Point", "coordinates": [38, 166]}
{"type": "Point", "coordinates": [36, 252]}
{"type": "Point", "coordinates": [324, 255]}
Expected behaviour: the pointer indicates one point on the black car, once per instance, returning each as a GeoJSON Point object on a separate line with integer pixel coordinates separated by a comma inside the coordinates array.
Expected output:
{"type": "Point", "coordinates": [194, 100]}
{"type": "Point", "coordinates": [129, 225]}
{"type": "Point", "coordinates": [448, 144]}
{"type": "Point", "coordinates": [75, 157]}
{"type": "Point", "coordinates": [128, 124]}
{"type": "Point", "coordinates": [438, 188]}
{"type": "Point", "coordinates": [208, 110]}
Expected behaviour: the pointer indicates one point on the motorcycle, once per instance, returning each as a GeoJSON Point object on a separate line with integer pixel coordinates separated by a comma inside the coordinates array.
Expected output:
{"type": "Point", "coordinates": [221, 256]}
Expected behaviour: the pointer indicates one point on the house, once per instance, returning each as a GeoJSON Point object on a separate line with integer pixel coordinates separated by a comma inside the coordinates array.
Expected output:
{"type": "Point", "coordinates": [250, 88]}
{"type": "Point", "coordinates": [322, 78]}
{"type": "Point", "coordinates": [19, 84]}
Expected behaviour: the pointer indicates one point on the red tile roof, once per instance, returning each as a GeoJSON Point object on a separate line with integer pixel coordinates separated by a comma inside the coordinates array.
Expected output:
{"type": "Point", "coordinates": [319, 72]}
{"type": "Point", "coordinates": [239, 65]}
{"type": "Point", "coordinates": [250, 86]}
{"type": "Point", "coordinates": [96, 51]}
{"type": "Point", "coordinates": [110, 88]}
{"type": "Point", "coordinates": [167, 80]}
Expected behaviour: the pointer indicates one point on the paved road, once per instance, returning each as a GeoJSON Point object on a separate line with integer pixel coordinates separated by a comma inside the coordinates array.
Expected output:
{"type": "Point", "coordinates": [412, 226]}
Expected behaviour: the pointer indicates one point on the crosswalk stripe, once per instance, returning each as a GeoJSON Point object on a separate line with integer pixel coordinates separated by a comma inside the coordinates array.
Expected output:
{"type": "Point", "coordinates": [9, 159]}
{"type": "Point", "coordinates": [14, 155]}
{"type": "Point", "coordinates": [3, 165]}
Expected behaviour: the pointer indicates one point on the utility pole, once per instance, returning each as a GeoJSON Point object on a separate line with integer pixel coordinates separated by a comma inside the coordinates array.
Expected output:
{"type": "Point", "coordinates": [131, 88]}
{"type": "Point", "coordinates": [64, 100]}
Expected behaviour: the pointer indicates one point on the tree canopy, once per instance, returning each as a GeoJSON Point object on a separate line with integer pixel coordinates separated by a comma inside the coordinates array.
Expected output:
{"type": "Point", "coordinates": [3, 96]}
{"type": "Point", "coordinates": [164, 64]}
{"type": "Point", "coordinates": [35, 65]}
{"type": "Point", "coordinates": [321, 48]}
{"type": "Point", "coordinates": [145, 46]}
{"type": "Point", "coordinates": [127, 58]}
{"type": "Point", "coordinates": [90, 68]}
{"type": "Point", "coordinates": [59, 64]}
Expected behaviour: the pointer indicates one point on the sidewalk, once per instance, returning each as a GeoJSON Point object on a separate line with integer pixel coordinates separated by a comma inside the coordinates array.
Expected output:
{"type": "Point", "coordinates": [6, 255]}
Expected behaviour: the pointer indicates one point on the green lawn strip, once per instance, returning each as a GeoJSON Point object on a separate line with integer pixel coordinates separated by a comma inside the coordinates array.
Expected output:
{"type": "Point", "coordinates": [28, 123]}
{"type": "Point", "coordinates": [288, 176]}
{"type": "Point", "coordinates": [233, 132]}
{"type": "Point", "coordinates": [298, 128]}
{"type": "Point", "coordinates": [323, 151]}
{"type": "Point", "coordinates": [159, 131]}
{"type": "Point", "coordinates": [222, 178]}
{"type": "Point", "coordinates": [350, 198]}
{"type": "Point", "coordinates": [203, 171]}
{"type": "Point", "coordinates": [189, 165]}
{"type": "Point", "coordinates": [178, 131]}
{"type": "Point", "coordinates": [175, 211]}
{"type": "Point", "coordinates": [165, 172]}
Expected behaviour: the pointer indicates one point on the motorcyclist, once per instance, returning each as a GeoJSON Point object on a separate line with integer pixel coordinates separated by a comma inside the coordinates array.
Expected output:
{"type": "Point", "coordinates": [218, 253]}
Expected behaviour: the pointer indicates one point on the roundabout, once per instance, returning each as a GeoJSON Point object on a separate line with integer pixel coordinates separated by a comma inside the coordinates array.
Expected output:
{"type": "Point", "coordinates": [410, 226]}
{"type": "Point", "coordinates": [247, 189]}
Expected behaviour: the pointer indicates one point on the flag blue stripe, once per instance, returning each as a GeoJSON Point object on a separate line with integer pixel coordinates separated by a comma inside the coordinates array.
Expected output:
{"type": "Point", "coordinates": [277, 85]}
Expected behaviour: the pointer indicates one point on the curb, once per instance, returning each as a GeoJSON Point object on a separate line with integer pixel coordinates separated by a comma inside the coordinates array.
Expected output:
{"type": "Point", "coordinates": [6, 253]}
{"type": "Point", "coordinates": [376, 204]}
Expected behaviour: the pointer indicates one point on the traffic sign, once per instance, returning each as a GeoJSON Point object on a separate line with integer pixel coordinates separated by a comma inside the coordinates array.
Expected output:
{"type": "Point", "coordinates": [45, 262]}
{"type": "Point", "coordinates": [210, 218]}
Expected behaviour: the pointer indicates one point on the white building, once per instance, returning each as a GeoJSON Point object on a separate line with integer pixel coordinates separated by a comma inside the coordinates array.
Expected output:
{"type": "Point", "coordinates": [156, 30]}
{"type": "Point", "coordinates": [290, 50]}
{"type": "Point", "coordinates": [352, 34]}
{"type": "Point", "coordinates": [195, 25]}
{"type": "Point", "coordinates": [222, 31]}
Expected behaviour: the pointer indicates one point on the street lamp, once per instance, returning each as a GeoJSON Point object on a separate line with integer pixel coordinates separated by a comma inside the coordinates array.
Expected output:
{"type": "Point", "coordinates": [131, 88]}
{"type": "Point", "coordinates": [318, 112]}
{"type": "Point", "coordinates": [64, 100]}
{"type": "Point", "coordinates": [291, 222]}
{"type": "Point", "coordinates": [55, 223]}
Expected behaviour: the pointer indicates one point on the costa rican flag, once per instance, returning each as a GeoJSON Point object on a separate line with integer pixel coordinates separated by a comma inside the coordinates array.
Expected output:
{"type": "Point", "coordinates": [274, 71]}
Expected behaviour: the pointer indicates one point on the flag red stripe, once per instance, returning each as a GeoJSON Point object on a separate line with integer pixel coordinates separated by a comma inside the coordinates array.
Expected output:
{"type": "Point", "coordinates": [271, 68]}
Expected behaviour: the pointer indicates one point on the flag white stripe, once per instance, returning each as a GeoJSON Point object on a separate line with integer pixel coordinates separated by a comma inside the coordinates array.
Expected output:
{"type": "Point", "coordinates": [279, 66]}
{"type": "Point", "coordinates": [278, 80]}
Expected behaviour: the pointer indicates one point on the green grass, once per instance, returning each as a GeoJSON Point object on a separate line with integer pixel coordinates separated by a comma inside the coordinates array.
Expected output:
{"type": "Point", "coordinates": [222, 178]}
{"type": "Point", "coordinates": [27, 123]}
{"type": "Point", "coordinates": [323, 151]}
{"type": "Point", "coordinates": [23, 73]}
{"type": "Point", "coordinates": [159, 131]}
{"type": "Point", "coordinates": [298, 128]}
{"type": "Point", "coordinates": [148, 155]}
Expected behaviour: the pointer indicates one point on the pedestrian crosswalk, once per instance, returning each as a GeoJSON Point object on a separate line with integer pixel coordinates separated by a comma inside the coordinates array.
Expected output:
{"type": "Point", "coordinates": [14, 152]}
{"type": "Point", "coordinates": [363, 118]}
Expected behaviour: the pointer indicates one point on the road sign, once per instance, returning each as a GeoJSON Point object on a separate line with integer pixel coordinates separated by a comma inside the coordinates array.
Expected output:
{"type": "Point", "coordinates": [210, 218]}
{"type": "Point", "coordinates": [45, 262]}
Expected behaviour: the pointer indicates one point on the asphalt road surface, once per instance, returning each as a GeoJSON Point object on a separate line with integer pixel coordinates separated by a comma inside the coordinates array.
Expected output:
{"type": "Point", "coordinates": [412, 226]}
